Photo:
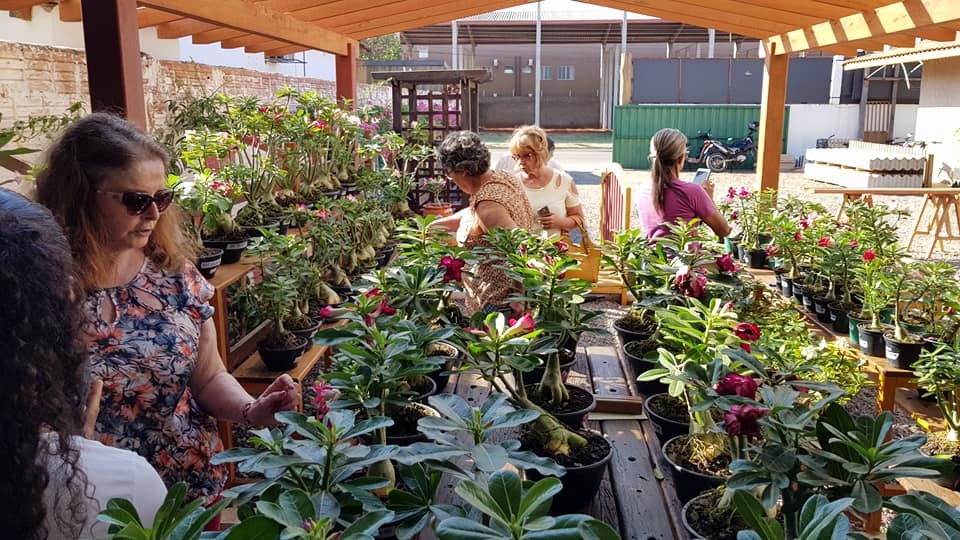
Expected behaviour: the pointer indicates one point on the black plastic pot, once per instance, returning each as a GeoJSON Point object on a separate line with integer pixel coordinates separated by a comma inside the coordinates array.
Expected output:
{"type": "Point", "coordinates": [786, 286]}
{"type": "Point", "coordinates": [808, 296]}
{"type": "Point", "coordinates": [798, 292]}
{"type": "Point", "coordinates": [666, 428]}
{"type": "Point", "coordinates": [626, 335]}
{"type": "Point", "coordinates": [573, 419]}
{"type": "Point", "coordinates": [689, 483]}
{"type": "Point", "coordinates": [757, 258]}
{"type": "Point", "coordinates": [871, 341]}
{"type": "Point", "coordinates": [232, 248]}
{"type": "Point", "coordinates": [209, 260]}
{"type": "Point", "coordinates": [308, 333]}
{"type": "Point", "coordinates": [902, 354]}
{"type": "Point", "coordinates": [412, 412]}
{"type": "Point", "coordinates": [253, 231]}
{"type": "Point", "coordinates": [639, 365]}
{"type": "Point", "coordinates": [854, 320]}
{"type": "Point", "coordinates": [838, 318]}
{"type": "Point", "coordinates": [453, 359]}
{"type": "Point", "coordinates": [742, 252]}
{"type": "Point", "coordinates": [282, 359]}
{"type": "Point", "coordinates": [821, 306]}
{"type": "Point", "coordinates": [580, 484]}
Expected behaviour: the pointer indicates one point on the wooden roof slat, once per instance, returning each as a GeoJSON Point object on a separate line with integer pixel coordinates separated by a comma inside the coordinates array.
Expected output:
{"type": "Point", "coordinates": [16, 5]}
{"type": "Point", "coordinates": [750, 11]}
{"type": "Point", "coordinates": [182, 28]}
{"type": "Point", "coordinates": [70, 11]}
{"type": "Point", "coordinates": [219, 34]}
{"type": "Point", "coordinates": [937, 33]}
{"type": "Point", "coordinates": [147, 17]}
{"type": "Point", "coordinates": [823, 9]}
{"type": "Point", "coordinates": [725, 22]}
{"type": "Point", "coordinates": [282, 51]}
{"type": "Point", "coordinates": [256, 19]}
{"type": "Point", "coordinates": [876, 24]}
{"type": "Point", "coordinates": [427, 15]}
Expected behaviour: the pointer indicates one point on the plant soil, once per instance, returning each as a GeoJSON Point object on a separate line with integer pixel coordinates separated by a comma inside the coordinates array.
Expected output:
{"type": "Point", "coordinates": [641, 348]}
{"type": "Point", "coordinates": [635, 322]}
{"type": "Point", "coordinates": [281, 341]}
{"type": "Point", "coordinates": [404, 421]}
{"type": "Point", "coordinates": [713, 522]}
{"type": "Point", "coordinates": [670, 407]}
{"type": "Point", "coordinates": [595, 450]}
{"type": "Point", "coordinates": [698, 455]}
{"type": "Point", "coordinates": [579, 399]}
{"type": "Point", "coordinates": [938, 445]}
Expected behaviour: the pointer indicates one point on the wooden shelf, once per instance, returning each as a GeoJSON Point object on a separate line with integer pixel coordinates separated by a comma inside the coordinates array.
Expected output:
{"type": "Point", "coordinates": [228, 274]}
{"type": "Point", "coordinates": [254, 376]}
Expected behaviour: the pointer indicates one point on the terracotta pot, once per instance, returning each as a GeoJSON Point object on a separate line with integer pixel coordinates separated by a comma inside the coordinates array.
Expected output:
{"type": "Point", "coordinates": [441, 209]}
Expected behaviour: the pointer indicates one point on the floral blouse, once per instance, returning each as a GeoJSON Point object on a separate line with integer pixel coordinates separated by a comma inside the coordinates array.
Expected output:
{"type": "Point", "coordinates": [145, 358]}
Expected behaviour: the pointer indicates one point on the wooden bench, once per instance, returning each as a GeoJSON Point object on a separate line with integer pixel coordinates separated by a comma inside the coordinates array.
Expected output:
{"type": "Point", "coordinates": [631, 498]}
{"type": "Point", "coordinates": [942, 202]}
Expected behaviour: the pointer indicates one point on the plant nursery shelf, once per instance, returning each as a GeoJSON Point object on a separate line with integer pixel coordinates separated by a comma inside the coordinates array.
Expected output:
{"type": "Point", "coordinates": [254, 376]}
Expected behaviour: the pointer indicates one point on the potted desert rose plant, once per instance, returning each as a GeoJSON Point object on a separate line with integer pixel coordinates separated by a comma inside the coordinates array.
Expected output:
{"type": "Point", "coordinates": [938, 371]}
{"type": "Point", "coordinates": [435, 185]}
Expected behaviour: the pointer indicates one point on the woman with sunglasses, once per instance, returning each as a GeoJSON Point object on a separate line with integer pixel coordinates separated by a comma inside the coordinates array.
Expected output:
{"type": "Point", "coordinates": [552, 193]}
{"type": "Point", "coordinates": [147, 314]}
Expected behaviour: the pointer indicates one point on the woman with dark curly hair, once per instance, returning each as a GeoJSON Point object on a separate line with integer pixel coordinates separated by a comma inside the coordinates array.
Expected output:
{"type": "Point", "coordinates": [147, 325]}
{"type": "Point", "coordinates": [53, 482]}
{"type": "Point", "coordinates": [496, 201]}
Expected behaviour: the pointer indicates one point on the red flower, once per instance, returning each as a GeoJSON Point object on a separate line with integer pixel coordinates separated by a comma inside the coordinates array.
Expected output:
{"type": "Point", "coordinates": [734, 384]}
{"type": "Point", "coordinates": [824, 242]}
{"type": "Point", "coordinates": [454, 268]}
{"type": "Point", "coordinates": [747, 331]}
{"type": "Point", "coordinates": [324, 393]}
{"type": "Point", "coordinates": [562, 246]}
{"type": "Point", "coordinates": [690, 284]}
{"type": "Point", "coordinates": [745, 346]}
{"type": "Point", "coordinates": [744, 193]}
{"type": "Point", "coordinates": [526, 323]}
{"type": "Point", "coordinates": [869, 255]}
{"type": "Point", "coordinates": [326, 312]}
{"type": "Point", "coordinates": [744, 420]}
{"type": "Point", "coordinates": [725, 263]}
{"type": "Point", "coordinates": [385, 308]}
{"type": "Point", "coordinates": [804, 224]}
{"type": "Point", "coordinates": [797, 236]}
{"type": "Point", "coordinates": [734, 215]}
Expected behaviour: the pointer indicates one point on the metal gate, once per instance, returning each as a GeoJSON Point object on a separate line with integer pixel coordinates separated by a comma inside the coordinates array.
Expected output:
{"type": "Point", "coordinates": [877, 121]}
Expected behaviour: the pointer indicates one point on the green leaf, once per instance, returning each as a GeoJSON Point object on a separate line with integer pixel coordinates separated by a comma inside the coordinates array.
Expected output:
{"type": "Point", "coordinates": [489, 457]}
{"type": "Point", "coordinates": [256, 527]}
{"type": "Point", "coordinates": [369, 524]}
{"type": "Point", "coordinates": [475, 495]}
{"type": "Point", "coordinates": [593, 529]}
{"type": "Point", "coordinates": [458, 528]}
{"type": "Point", "coordinates": [754, 514]}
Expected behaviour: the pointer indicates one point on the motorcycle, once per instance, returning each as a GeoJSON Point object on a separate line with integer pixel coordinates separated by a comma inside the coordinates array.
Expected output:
{"type": "Point", "coordinates": [719, 155]}
{"type": "Point", "coordinates": [706, 141]}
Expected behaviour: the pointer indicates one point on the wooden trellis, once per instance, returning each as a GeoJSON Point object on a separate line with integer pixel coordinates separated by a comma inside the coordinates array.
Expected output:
{"type": "Point", "coordinates": [440, 102]}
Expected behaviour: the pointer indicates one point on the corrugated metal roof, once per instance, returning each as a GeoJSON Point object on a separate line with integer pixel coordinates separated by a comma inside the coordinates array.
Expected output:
{"type": "Point", "coordinates": [927, 50]}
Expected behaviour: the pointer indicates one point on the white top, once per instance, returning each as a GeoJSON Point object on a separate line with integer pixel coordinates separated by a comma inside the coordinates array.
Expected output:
{"type": "Point", "coordinates": [557, 195]}
{"type": "Point", "coordinates": [507, 163]}
{"type": "Point", "coordinates": [111, 473]}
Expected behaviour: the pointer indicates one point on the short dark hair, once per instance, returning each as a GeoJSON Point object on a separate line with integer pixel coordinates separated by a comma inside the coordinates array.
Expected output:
{"type": "Point", "coordinates": [44, 368]}
{"type": "Point", "coordinates": [463, 151]}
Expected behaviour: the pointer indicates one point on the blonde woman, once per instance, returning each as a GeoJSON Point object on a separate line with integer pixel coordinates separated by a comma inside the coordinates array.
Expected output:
{"type": "Point", "coordinates": [552, 193]}
{"type": "Point", "coordinates": [666, 198]}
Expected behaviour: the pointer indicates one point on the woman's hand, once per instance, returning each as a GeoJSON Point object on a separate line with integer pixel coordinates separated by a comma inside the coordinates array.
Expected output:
{"type": "Point", "coordinates": [282, 395]}
{"type": "Point", "coordinates": [553, 221]}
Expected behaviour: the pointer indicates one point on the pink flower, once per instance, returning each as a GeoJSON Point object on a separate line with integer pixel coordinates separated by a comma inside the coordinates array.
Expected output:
{"type": "Point", "coordinates": [731, 192]}
{"type": "Point", "coordinates": [797, 236]}
{"type": "Point", "coordinates": [385, 308]}
{"type": "Point", "coordinates": [744, 193]}
{"type": "Point", "coordinates": [690, 284]}
{"type": "Point", "coordinates": [824, 242]}
{"type": "Point", "coordinates": [373, 292]}
{"type": "Point", "coordinates": [524, 323]}
{"type": "Point", "coordinates": [725, 263]}
{"type": "Point", "coordinates": [869, 255]}
{"type": "Point", "coordinates": [324, 394]}
{"type": "Point", "coordinates": [734, 215]}
{"type": "Point", "coordinates": [322, 214]}
{"type": "Point", "coordinates": [747, 331]}
{"type": "Point", "coordinates": [854, 243]}
{"type": "Point", "coordinates": [562, 246]}
{"type": "Point", "coordinates": [453, 267]}
{"type": "Point", "coordinates": [326, 312]}
{"type": "Point", "coordinates": [744, 420]}
{"type": "Point", "coordinates": [735, 384]}
{"type": "Point", "coordinates": [523, 250]}
{"type": "Point", "coordinates": [352, 198]}
{"type": "Point", "coordinates": [804, 224]}
{"type": "Point", "coordinates": [694, 247]}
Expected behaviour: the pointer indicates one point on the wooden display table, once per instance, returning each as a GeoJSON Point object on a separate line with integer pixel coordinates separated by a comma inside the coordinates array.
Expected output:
{"type": "Point", "coordinates": [227, 275]}
{"type": "Point", "coordinates": [943, 202]}
{"type": "Point", "coordinates": [887, 377]}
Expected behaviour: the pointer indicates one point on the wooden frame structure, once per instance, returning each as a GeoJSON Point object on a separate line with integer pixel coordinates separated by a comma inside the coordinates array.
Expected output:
{"type": "Point", "coordinates": [278, 27]}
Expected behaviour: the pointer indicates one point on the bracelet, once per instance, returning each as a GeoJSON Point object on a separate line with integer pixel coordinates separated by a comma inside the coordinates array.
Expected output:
{"type": "Point", "coordinates": [245, 414]}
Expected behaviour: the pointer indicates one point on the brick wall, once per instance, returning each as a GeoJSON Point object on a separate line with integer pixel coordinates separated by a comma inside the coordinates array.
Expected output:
{"type": "Point", "coordinates": [38, 79]}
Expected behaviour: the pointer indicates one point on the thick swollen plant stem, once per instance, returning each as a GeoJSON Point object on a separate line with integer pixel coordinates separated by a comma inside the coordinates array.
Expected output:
{"type": "Point", "coordinates": [548, 432]}
{"type": "Point", "coordinates": [551, 385]}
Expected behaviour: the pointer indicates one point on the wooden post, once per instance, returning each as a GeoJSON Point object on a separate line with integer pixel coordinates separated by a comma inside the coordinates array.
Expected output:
{"type": "Point", "coordinates": [771, 116]}
{"type": "Point", "coordinates": [347, 75]}
{"type": "Point", "coordinates": [112, 42]}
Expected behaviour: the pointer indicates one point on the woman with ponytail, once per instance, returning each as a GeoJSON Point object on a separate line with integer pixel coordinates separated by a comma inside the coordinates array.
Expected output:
{"type": "Point", "coordinates": [667, 199]}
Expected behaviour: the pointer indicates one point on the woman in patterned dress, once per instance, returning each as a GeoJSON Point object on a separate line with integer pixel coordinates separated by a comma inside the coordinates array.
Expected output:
{"type": "Point", "coordinates": [496, 201]}
{"type": "Point", "coordinates": [148, 327]}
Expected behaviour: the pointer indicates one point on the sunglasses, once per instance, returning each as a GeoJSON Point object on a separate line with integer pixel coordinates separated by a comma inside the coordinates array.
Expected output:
{"type": "Point", "coordinates": [518, 157]}
{"type": "Point", "coordinates": [137, 202]}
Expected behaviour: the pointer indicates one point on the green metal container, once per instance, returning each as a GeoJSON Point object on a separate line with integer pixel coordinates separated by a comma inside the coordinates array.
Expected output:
{"type": "Point", "coordinates": [634, 125]}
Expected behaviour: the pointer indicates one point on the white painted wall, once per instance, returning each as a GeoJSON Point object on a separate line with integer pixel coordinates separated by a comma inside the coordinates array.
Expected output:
{"type": "Point", "coordinates": [45, 28]}
{"type": "Point", "coordinates": [809, 122]}
{"type": "Point", "coordinates": [939, 116]}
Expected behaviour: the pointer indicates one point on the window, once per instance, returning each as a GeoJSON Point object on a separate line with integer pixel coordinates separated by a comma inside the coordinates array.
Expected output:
{"type": "Point", "coordinates": [507, 70]}
{"type": "Point", "coordinates": [565, 73]}
{"type": "Point", "coordinates": [546, 73]}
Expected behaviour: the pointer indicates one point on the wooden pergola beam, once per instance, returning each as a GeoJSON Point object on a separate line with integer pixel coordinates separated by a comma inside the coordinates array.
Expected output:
{"type": "Point", "coordinates": [723, 21]}
{"type": "Point", "coordinates": [220, 34]}
{"type": "Point", "coordinates": [937, 33]}
{"type": "Point", "coordinates": [823, 9]}
{"type": "Point", "coordinates": [183, 27]}
{"type": "Point", "coordinates": [420, 17]}
{"type": "Point", "coordinates": [256, 19]}
{"type": "Point", "coordinates": [70, 11]}
{"type": "Point", "coordinates": [17, 5]}
{"type": "Point", "coordinates": [772, 104]}
{"type": "Point", "coordinates": [282, 51]}
{"type": "Point", "coordinates": [147, 17]}
{"type": "Point", "coordinates": [872, 24]}
{"type": "Point", "coordinates": [189, 27]}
